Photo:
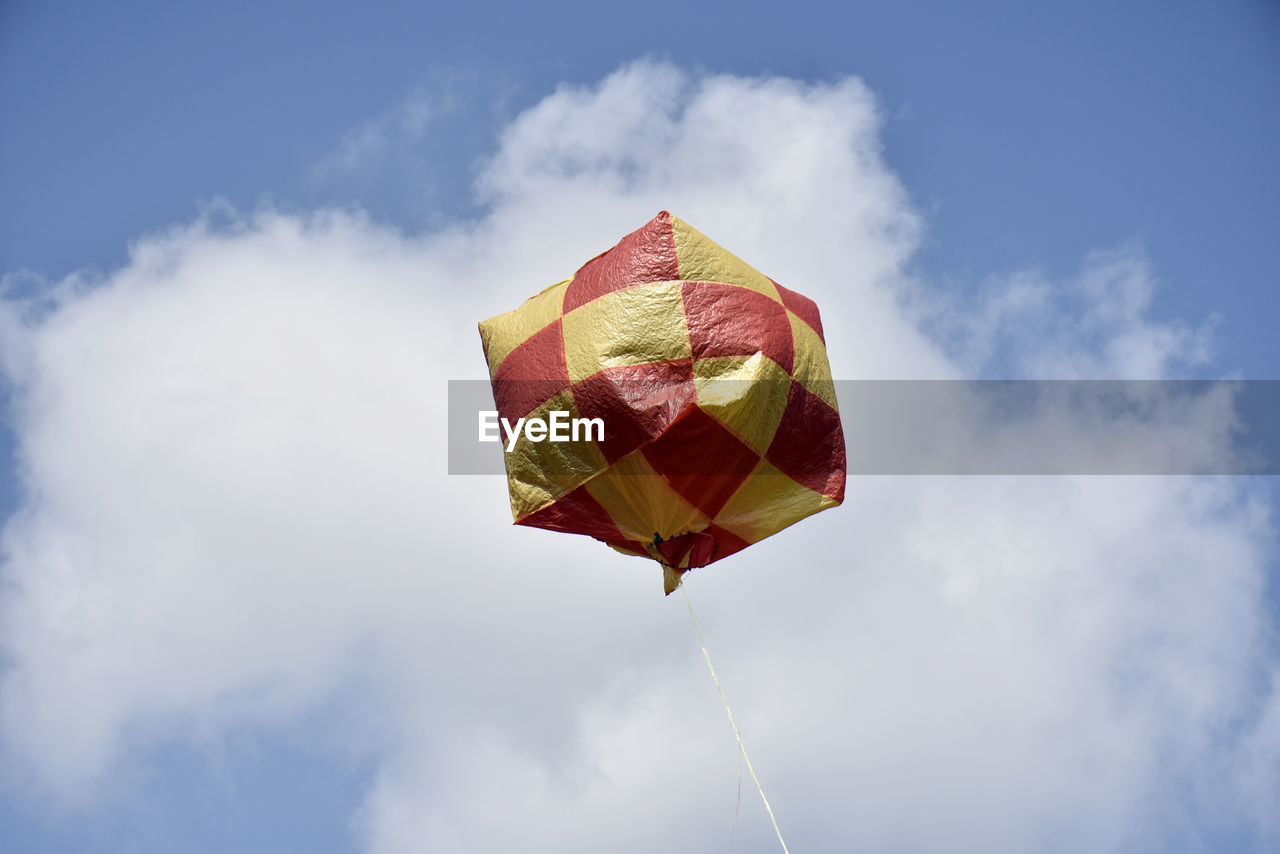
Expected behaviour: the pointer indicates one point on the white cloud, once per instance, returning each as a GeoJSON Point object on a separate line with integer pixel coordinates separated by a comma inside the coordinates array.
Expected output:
{"type": "Point", "coordinates": [1096, 325]}
{"type": "Point", "coordinates": [376, 138]}
{"type": "Point", "coordinates": [390, 163]}
{"type": "Point", "coordinates": [237, 506]}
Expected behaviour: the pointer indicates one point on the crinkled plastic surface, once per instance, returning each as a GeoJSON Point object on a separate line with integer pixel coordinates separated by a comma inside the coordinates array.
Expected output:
{"type": "Point", "coordinates": [709, 381]}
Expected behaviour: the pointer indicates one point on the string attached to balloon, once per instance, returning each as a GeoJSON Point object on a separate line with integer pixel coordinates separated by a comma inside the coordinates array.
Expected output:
{"type": "Point", "coordinates": [742, 748]}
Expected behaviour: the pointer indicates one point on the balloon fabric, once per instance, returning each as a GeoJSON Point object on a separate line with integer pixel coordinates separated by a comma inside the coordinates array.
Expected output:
{"type": "Point", "coordinates": [667, 399]}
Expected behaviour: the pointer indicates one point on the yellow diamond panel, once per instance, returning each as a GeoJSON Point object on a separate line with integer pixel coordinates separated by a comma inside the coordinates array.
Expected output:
{"type": "Point", "coordinates": [642, 503]}
{"type": "Point", "coordinates": [767, 502]}
{"type": "Point", "coordinates": [702, 260]}
{"type": "Point", "coordinates": [747, 394]}
{"type": "Point", "coordinates": [540, 472]}
{"type": "Point", "coordinates": [504, 333]}
{"type": "Point", "coordinates": [632, 327]}
{"type": "Point", "coordinates": [812, 369]}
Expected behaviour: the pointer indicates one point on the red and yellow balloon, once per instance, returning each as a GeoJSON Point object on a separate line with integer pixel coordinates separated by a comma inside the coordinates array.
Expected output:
{"type": "Point", "coordinates": [711, 381]}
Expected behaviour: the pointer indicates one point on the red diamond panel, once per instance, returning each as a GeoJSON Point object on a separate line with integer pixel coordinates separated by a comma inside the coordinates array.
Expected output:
{"type": "Point", "coordinates": [577, 513]}
{"type": "Point", "coordinates": [636, 402]}
{"type": "Point", "coordinates": [727, 543]}
{"type": "Point", "coordinates": [645, 255]}
{"type": "Point", "coordinates": [726, 320]}
{"type": "Point", "coordinates": [803, 307]}
{"type": "Point", "coordinates": [533, 373]}
{"type": "Point", "coordinates": [702, 461]}
{"type": "Point", "coordinates": [808, 440]}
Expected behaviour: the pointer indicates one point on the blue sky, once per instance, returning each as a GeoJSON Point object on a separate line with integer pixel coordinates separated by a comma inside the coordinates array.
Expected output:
{"type": "Point", "coordinates": [1017, 143]}
{"type": "Point", "coordinates": [1026, 136]}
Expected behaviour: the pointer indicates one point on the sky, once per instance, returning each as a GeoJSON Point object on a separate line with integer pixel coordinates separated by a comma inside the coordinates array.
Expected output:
{"type": "Point", "coordinates": [244, 607]}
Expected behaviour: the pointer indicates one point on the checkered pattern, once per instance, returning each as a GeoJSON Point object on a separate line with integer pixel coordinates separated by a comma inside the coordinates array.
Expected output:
{"type": "Point", "coordinates": [712, 380]}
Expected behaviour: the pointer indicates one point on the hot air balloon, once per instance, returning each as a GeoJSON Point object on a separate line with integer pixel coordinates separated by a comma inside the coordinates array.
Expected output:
{"type": "Point", "coordinates": [685, 402]}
